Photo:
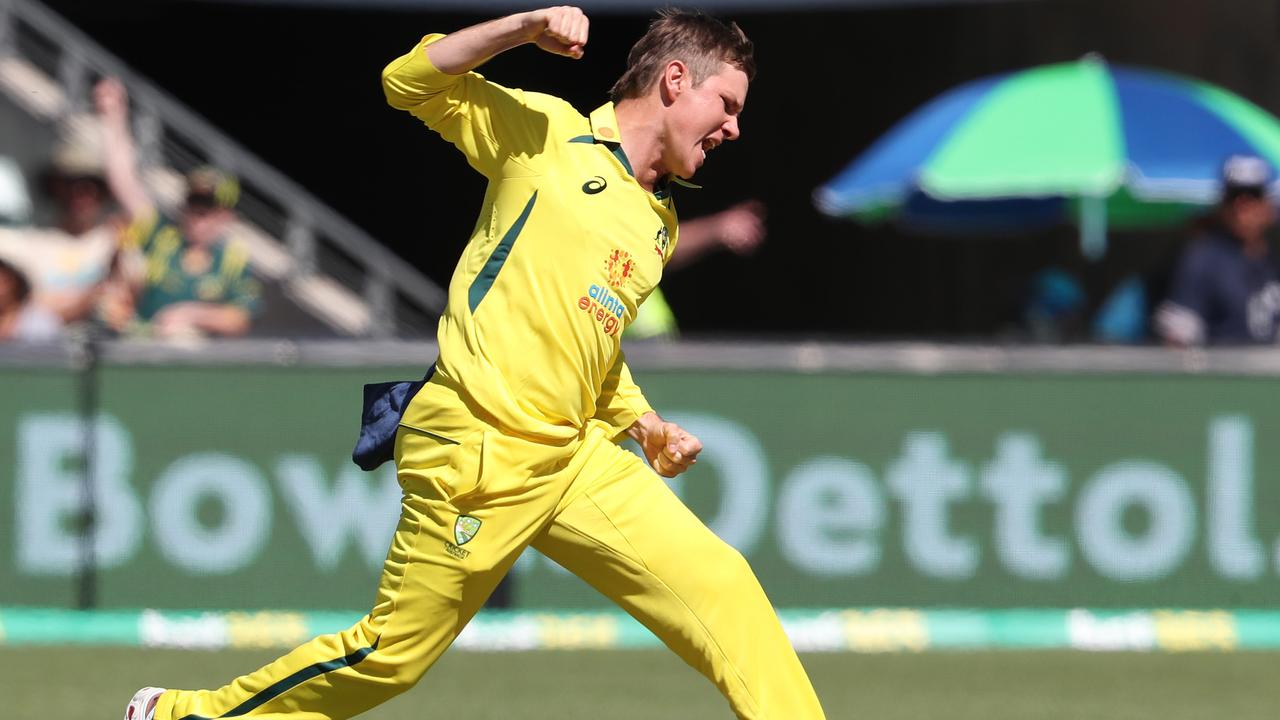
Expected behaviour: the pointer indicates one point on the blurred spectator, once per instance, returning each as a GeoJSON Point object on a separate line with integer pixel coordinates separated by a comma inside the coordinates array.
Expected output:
{"type": "Point", "coordinates": [1225, 290]}
{"type": "Point", "coordinates": [1122, 317]}
{"type": "Point", "coordinates": [15, 201]}
{"type": "Point", "coordinates": [69, 262]}
{"type": "Point", "coordinates": [195, 282]}
{"type": "Point", "coordinates": [1055, 310]}
{"type": "Point", "coordinates": [739, 229]}
{"type": "Point", "coordinates": [20, 319]}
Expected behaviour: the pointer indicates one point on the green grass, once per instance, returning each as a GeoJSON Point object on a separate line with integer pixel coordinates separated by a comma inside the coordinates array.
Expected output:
{"type": "Point", "coordinates": [74, 683]}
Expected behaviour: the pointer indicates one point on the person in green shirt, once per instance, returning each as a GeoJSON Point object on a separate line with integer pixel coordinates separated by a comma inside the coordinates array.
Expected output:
{"type": "Point", "coordinates": [195, 281]}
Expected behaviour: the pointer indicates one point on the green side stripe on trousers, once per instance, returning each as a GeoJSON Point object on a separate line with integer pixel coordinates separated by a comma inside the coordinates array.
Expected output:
{"type": "Point", "coordinates": [484, 280]}
{"type": "Point", "coordinates": [311, 671]}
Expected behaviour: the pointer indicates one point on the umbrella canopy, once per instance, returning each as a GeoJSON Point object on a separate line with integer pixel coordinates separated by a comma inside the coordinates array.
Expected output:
{"type": "Point", "coordinates": [1084, 141]}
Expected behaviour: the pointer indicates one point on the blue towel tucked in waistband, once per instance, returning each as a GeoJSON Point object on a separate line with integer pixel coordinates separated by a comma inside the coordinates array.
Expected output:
{"type": "Point", "coordinates": [384, 406]}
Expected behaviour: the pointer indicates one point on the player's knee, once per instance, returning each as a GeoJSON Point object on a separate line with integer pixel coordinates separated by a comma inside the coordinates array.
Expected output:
{"type": "Point", "coordinates": [401, 666]}
{"type": "Point", "coordinates": [410, 673]}
{"type": "Point", "coordinates": [403, 651]}
{"type": "Point", "coordinates": [727, 568]}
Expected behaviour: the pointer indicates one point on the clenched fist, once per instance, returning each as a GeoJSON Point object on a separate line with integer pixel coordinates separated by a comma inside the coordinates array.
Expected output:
{"type": "Point", "coordinates": [561, 30]}
{"type": "Point", "coordinates": [669, 448]}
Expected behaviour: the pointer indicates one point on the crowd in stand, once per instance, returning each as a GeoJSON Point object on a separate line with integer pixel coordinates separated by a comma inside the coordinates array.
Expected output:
{"type": "Point", "coordinates": [111, 257]}
{"type": "Point", "coordinates": [1222, 290]}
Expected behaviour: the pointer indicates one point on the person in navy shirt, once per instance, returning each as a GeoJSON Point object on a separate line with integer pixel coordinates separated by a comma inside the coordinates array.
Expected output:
{"type": "Point", "coordinates": [1226, 290]}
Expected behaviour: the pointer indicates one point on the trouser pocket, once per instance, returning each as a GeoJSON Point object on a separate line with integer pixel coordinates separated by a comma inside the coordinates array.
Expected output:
{"type": "Point", "coordinates": [434, 466]}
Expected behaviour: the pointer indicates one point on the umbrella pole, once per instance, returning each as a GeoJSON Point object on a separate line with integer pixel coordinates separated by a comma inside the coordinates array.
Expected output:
{"type": "Point", "coordinates": [1093, 227]}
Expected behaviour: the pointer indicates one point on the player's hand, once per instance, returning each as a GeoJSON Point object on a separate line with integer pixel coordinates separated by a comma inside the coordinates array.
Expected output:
{"type": "Point", "coordinates": [561, 30]}
{"type": "Point", "coordinates": [669, 448]}
{"type": "Point", "coordinates": [741, 227]}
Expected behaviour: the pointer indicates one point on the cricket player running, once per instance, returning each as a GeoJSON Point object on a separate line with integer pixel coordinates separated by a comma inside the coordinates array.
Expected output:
{"type": "Point", "coordinates": [513, 440]}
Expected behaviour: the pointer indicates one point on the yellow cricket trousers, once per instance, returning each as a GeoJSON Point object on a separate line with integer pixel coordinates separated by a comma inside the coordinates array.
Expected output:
{"type": "Point", "coordinates": [468, 511]}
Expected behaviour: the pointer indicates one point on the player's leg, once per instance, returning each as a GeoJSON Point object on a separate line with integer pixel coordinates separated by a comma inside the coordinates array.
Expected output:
{"type": "Point", "coordinates": [630, 537]}
{"type": "Point", "coordinates": [430, 588]}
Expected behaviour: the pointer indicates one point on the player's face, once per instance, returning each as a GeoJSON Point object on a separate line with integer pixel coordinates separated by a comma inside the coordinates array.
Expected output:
{"type": "Point", "coordinates": [702, 118]}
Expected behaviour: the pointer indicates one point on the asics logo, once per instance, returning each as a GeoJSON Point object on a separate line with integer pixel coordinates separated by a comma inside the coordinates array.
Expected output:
{"type": "Point", "coordinates": [594, 185]}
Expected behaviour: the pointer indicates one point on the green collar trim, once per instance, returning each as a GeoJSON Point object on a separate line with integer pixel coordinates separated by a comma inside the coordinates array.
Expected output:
{"type": "Point", "coordinates": [614, 147]}
{"type": "Point", "coordinates": [622, 157]}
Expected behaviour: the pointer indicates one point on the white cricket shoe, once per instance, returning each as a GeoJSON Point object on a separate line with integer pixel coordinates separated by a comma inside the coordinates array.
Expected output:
{"type": "Point", "coordinates": [143, 704]}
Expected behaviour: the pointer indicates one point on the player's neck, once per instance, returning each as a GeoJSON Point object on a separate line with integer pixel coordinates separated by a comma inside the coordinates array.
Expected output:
{"type": "Point", "coordinates": [640, 124]}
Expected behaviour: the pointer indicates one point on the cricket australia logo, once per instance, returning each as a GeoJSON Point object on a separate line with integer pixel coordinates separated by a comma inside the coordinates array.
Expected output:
{"type": "Point", "coordinates": [620, 266]}
{"type": "Point", "coordinates": [661, 241]}
{"type": "Point", "coordinates": [464, 529]}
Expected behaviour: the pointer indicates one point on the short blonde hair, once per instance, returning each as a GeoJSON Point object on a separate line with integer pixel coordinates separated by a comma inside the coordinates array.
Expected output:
{"type": "Point", "coordinates": [698, 40]}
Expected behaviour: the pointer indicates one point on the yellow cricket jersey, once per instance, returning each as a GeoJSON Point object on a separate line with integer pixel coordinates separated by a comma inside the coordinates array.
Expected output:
{"type": "Point", "coordinates": [567, 246]}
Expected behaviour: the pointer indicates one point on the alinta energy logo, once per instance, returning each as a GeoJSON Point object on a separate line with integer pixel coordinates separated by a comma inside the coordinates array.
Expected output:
{"type": "Point", "coordinates": [599, 302]}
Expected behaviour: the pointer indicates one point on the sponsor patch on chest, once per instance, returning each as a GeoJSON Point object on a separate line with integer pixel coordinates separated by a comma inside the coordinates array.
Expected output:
{"type": "Point", "coordinates": [619, 265]}
{"type": "Point", "coordinates": [604, 307]}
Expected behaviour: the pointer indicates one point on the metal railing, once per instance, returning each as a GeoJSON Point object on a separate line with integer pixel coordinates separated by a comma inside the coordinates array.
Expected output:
{"type": "Point", "coordinates": [805, 357]}
{"type": "Point", "coordinates": [398, 297]}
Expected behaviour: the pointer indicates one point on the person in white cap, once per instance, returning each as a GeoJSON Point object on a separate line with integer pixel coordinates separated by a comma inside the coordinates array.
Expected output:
{"type": "Point", "coordinates": [69, 261]}
{"type": "Point", "coordinates": [1226, 290]}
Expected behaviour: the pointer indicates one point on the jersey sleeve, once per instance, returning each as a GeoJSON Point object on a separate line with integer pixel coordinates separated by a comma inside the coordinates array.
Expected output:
{"type": "Point", "coordinates": [620, 403]}
{"type": "Point", "coordinates": [1181, 318]}
{"type": "Point", "coordinates": [493, 126]}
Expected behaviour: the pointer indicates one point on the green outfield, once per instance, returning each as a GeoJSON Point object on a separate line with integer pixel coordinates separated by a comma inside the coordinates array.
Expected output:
{"type": "Point", "coordinates": [42, 683]}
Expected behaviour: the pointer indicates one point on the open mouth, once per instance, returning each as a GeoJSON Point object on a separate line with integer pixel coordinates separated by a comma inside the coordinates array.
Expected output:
{"type": "Point", "coordinates": [708, 144]}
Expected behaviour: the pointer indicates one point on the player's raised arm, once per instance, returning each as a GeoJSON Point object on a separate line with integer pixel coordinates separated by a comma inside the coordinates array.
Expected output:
{"type": "Point", "coordinates": [561, 30]}
{"type": "Point", "coordinates": [495, 127]}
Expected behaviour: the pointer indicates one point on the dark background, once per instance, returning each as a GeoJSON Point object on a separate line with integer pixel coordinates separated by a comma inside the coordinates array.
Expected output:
{"type": "Point", "coordinates": [300, 87]}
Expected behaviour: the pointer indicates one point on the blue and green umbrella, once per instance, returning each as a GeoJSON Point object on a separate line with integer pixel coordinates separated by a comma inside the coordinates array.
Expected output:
{"type": "Point", "coordinates": [1087, 142]}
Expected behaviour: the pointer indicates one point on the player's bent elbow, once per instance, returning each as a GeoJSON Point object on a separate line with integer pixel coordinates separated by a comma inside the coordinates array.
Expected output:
{"type": "Point", "coordinates": [397, 95]}
{"type": "Point", "coordinates": [401, 91]}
